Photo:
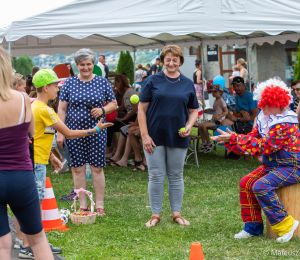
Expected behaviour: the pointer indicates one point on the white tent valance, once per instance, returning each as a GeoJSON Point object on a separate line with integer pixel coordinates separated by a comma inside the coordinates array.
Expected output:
{"type": "Point", "coordinates": [142, 24]}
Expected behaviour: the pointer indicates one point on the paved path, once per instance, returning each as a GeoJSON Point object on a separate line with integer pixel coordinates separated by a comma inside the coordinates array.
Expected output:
{"type": "Point", "coordinates": [15, 252]}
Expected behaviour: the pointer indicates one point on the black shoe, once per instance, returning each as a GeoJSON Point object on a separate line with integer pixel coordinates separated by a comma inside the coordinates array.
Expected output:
{"type": "Point", "coordinates": [232, 156]}
{"type": "Point", "coordinates": [26, 253]}
{"type": "Point", "coordinates": [55, 250]}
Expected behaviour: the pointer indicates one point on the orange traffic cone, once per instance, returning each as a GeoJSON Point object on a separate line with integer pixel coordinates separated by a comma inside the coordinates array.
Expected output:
{"type": "Point", "coordinates": [50, 215]}
{"type": "Point", "coordinates": [196, 252]}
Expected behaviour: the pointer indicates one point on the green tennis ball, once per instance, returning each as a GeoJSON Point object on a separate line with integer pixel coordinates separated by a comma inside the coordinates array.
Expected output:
{"type": "Point", "coordinates": [182, 129]}
{"type": "Point", "coordinates": [134, 99]}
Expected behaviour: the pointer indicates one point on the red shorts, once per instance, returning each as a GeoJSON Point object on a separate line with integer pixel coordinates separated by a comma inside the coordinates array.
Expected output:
{"type": "Point", "coordinates": [200, 113]}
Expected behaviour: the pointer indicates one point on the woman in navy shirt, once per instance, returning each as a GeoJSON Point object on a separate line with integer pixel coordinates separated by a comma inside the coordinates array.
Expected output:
{"type": "Point", "coordinates": [168, 103]}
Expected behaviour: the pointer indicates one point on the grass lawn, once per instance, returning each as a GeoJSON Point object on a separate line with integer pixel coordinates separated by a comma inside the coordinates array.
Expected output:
{"type": "Point", "coordinates": [211, 204]}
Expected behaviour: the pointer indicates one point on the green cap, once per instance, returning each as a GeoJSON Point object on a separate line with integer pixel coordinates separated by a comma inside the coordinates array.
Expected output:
{"type": "Point", "coordinates": [44, 77]}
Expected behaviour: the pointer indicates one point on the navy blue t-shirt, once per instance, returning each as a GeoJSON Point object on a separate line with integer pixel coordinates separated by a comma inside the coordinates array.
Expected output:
{"type": "Point", "coordinates": [168, 108]}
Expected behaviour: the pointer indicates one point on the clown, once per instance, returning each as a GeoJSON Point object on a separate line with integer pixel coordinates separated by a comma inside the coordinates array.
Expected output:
{"type": "Point", "coordinates": [276, 137]}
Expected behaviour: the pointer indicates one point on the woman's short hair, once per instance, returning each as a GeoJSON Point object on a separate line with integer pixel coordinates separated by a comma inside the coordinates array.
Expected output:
{"type": "Point", "coordinates": [174, 50]}
{"type": "Point", "coordinates": [5, 74]}
{"type": "Point", "coordinates": [83, 54]}
{"type": "Point", "coordinates": [140, 66]}
{"type": "Point", "coordinates": [197, 63]}
{"type": "Point", "coordinates": [124, 82]}
{"type": "Point", "coordinates": [242, 62]}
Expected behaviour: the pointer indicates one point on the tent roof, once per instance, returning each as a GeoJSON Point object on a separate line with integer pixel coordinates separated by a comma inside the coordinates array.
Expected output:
{"type": "Point", "coordinates": [142, 24]}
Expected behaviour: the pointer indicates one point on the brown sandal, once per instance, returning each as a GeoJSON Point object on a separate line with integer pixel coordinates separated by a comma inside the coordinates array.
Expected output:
{"type": "Point", "coordinates": [179, 216]}
{"type": "Point", "coordinates": [154, 217]}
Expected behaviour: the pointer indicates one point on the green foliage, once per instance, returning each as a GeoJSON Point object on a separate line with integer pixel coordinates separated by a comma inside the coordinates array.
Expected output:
{"type": "Point", "coordinates": [297, 66]}
{"type": "Point", "coordinates": [120, 63]}
{"type": "Point", "coordinates": [23, 65]}
{"type": "Point", "coordinates": [126, 65]}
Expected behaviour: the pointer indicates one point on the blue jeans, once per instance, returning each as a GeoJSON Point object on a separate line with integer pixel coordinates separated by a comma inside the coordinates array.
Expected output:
{"type": "Point", "coordinates": [40, 179]}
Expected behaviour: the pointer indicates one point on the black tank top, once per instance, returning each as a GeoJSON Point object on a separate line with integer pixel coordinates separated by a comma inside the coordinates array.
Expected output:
{"type": "Point", "coordinates": [195, 77]}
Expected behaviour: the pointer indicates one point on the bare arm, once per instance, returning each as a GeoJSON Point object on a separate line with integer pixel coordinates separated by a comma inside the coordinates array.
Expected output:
{"type": "Point", "coordinates": [73, 134]}
{"type": "Point", "coordinates": [29, 116]}
{"type": "Point", "coordinates": [147, 140]}
{"type": "Point", "coordinates": [111, 106]}
{"type": "Point", "coordinates": [252, 117]}
{"type": "Point", "coordinates": [131, 113]}
{"type": "Point", "coordinates": [122, 107]}
{"type": "Point", "coordinates": [192, 118]}
{"type": "Point", "coordinates": [242, 73]}
{"type": "Point", "coordinates": [225, 112]}
{"type": "Point", "coordinates": [190, 123]}
{"type": "Point", "coordinates": [143, 107]}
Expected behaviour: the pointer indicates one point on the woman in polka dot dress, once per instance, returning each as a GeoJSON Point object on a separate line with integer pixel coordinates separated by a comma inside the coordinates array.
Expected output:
{"type": "Point", "coordinates": [276, 136]}
{"type": "Point", "coordinates": [75, 94]}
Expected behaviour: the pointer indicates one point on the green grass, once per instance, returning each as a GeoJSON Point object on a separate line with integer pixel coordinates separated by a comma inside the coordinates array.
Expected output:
{"type": "Point", "coordinates": [211, 204]}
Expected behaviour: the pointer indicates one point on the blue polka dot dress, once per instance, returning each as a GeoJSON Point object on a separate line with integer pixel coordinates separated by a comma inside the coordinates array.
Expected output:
{"type": "Point", "coordinates": [89, 149]}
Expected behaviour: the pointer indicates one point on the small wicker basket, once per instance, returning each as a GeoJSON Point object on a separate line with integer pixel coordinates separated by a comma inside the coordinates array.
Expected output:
{"type": "Point", "coordinates": [90, 217]}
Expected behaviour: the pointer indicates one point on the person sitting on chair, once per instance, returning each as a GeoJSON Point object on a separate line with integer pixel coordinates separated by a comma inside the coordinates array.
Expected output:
{"type": "Point", "coordinates": [276, 136]}
{"type": "Point", "coordinates": [246, 110]}
{"type": "Point", "coordinates": [219, 112]}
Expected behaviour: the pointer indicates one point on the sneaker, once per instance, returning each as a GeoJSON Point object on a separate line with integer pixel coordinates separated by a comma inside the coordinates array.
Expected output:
{"type": "Point", "coordinates": [232, 156]}
{"type": "Point", "coordinates": [202, 148]}
{"type": "Point", "coordinates": [243, 234]}
{"type": "Point", "coordinates": [70, 197]}
{"type": "Point", "coordinates": [26, 253]}
{"type": "Point", "coordinates": [209, 148]}
{"type": "Point", "coordinates": [288, 236]}
{"type": "Point", "coordinates": [54, 249]}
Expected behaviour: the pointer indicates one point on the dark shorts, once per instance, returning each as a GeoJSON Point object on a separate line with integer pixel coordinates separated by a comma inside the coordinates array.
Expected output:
{"type": "Point", "coordinates": [18, 190]}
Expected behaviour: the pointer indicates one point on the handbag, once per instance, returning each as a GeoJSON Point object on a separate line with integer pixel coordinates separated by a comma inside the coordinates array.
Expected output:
{"type": "Point", "coordinates": [243, 127]}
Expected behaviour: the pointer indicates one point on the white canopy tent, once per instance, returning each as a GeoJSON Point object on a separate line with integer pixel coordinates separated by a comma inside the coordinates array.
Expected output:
{"type": "Point", "coordinates": [141, 24]}
{"type": "Point", "coordinates": [117, 25]}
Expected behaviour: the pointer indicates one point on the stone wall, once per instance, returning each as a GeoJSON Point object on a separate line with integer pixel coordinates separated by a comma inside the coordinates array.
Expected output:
{"type": "Point", "coordinates": [270, 62]}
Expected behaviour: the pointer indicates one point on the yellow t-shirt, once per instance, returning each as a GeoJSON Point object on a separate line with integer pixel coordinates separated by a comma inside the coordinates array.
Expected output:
{"type": "Point", "coordinates": [44, 118]}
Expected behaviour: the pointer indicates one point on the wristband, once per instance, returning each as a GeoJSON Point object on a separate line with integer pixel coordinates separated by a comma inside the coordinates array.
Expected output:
{"type": "Point", "coordinates": [103, 111]}
{"type": "Point", "coordinates": [97, 128]}
{"type": "Point", "coordinates": [51, 152]}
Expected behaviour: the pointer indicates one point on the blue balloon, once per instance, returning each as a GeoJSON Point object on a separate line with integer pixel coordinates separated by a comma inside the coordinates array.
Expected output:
{"type": "Point", "coordinates": [219, 80]}
{"type": "Point", "coordinates": [223, 128]}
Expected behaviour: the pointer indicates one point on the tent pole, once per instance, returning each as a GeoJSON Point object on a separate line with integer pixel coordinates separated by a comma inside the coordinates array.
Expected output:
{"type": "Point", "coordinates": [202, 77]}
{"type": "Point", "coordinates": [9, 47]}
{"type": "Point", "coordinates": [134, 79]}
{"type": "Point", "coordinates": [248, 59]}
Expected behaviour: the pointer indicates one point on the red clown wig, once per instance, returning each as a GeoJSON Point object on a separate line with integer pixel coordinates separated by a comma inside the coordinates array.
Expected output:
{"type": "Point", "coordinates": [273, 93]}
